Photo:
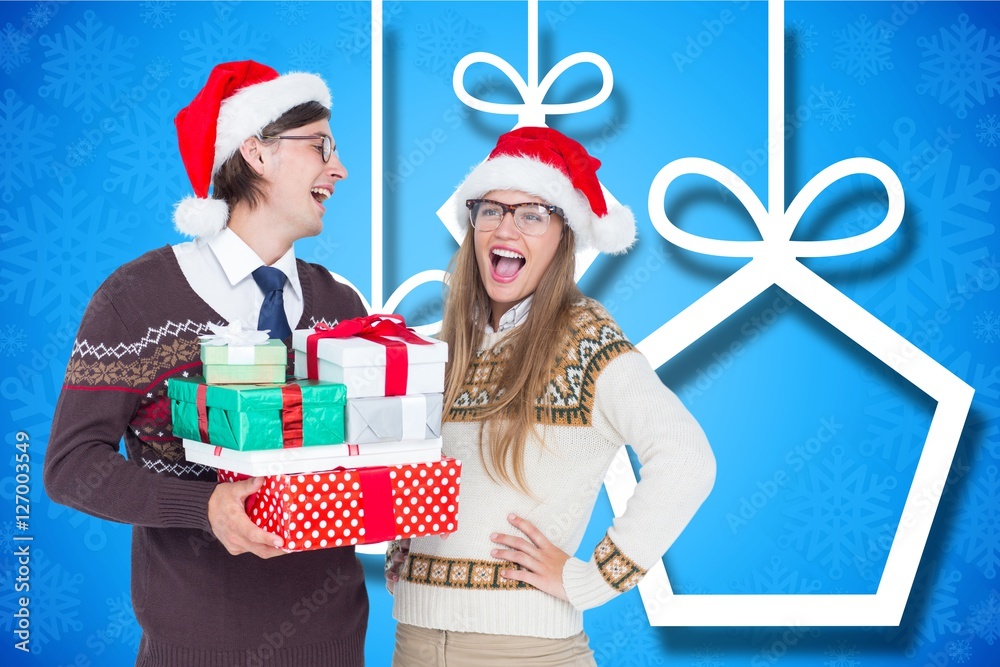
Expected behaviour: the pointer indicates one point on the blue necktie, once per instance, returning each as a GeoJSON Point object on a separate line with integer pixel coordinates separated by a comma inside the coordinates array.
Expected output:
{"type": "Point", "coordinates": [272, 312]}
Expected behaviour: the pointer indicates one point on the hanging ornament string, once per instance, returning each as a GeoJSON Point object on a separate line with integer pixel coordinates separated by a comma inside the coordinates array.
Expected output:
{"type": "Point", "coordinates": [532, 109]}
{"type": "Point", "coordinates": [775, 261]}
{"type": "Point", "coordinates": [774, 222]}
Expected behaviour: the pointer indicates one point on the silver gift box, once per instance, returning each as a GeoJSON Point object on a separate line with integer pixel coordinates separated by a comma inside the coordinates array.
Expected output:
{"type": "Point", "coordinates": [391, 418]}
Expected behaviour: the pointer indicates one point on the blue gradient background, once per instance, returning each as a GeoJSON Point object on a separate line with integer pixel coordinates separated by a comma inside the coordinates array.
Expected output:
{"type": "Point", "coordinates": [816, 440]}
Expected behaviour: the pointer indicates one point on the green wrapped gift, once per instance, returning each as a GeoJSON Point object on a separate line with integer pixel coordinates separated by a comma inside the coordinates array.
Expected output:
{"type": "Point", "coordinates": [258, 417]}
{"type": "Point", "coordinates": [244, 364]}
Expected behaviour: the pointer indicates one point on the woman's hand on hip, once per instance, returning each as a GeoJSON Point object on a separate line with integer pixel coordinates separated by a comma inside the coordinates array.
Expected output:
{"type": "Point", "coordinates": [542, 561]}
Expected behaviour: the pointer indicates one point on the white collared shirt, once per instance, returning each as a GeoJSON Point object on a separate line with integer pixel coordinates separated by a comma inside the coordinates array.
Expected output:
{"type": "Point", "coordinates": [219, 270]}
{"type": "Point", "coordinates": [513, 317]}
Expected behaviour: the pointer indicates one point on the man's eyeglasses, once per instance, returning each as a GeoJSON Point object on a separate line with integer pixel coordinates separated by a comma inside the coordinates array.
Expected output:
{"type": "Point", "coordinates": [326, 150]}
{"type": "Point", "coordinates": [530, 218]}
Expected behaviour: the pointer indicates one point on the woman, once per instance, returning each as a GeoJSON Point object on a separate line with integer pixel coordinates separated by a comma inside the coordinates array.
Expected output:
{"type": "Point", "coordinates": [543, 389]}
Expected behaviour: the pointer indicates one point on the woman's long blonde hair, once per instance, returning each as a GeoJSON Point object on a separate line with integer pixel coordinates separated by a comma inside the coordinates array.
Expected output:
{"type": "Point", "coordinates": [512, 413]}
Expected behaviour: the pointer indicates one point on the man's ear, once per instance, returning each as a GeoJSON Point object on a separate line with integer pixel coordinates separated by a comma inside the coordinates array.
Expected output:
{"type": "Point", "coordinates": [252, 151]}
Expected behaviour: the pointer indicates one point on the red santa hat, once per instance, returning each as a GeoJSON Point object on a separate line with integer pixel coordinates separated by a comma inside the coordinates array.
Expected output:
{"type": "Point", "coordinates": [548, 164]}
{"type": "Point", "coordinates": [238, 101]}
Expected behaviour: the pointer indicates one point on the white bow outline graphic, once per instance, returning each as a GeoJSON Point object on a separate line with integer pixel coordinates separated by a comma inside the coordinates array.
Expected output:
{"type": "Point", "coordinates": [775, 262]}
{"type": "Point", "coordinates": [532, 110]}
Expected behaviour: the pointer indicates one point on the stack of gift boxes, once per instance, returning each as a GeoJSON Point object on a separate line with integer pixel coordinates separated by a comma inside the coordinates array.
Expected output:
{"type": "Point", "coordinates": [351, 454]}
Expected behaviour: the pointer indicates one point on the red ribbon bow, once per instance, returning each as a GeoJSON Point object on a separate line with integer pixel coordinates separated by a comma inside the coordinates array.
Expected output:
{"type": "Point", "coordinates": [377, 329]}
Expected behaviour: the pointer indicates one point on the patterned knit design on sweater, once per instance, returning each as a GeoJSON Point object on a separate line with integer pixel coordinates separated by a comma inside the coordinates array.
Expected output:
{"type": "Point", "coordinates": [593, 340]}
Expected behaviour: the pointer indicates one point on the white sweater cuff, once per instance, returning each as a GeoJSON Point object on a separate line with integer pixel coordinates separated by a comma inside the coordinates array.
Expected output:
{"type": "Point", "coordinates": [585, 587]}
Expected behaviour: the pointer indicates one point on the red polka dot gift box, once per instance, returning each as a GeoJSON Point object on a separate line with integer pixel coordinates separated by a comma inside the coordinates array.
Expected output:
{"type": "Point", "coordinates": [357, 505]}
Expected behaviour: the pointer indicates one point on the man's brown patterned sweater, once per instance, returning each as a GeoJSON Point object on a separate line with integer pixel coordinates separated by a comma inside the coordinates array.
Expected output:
{"type": "Point", "coordinates": [196, 603]}
{"type": "Point", "coordinates": [602, 394]}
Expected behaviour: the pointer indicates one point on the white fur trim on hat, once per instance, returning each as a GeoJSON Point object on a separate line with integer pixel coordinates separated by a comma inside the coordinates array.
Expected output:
{"type": "Point", "coordinates": [246, 112]}
{"type": "Point", "coordinates": [613, 233]}
{"type": "Point", "coordinates": [196, 217]}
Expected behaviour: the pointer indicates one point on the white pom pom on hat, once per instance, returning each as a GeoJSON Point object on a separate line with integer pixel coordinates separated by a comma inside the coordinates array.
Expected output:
{"type": "Point", "coordinates": [238, 100]}
{"type": "Point", "coordinates": [548, 164]}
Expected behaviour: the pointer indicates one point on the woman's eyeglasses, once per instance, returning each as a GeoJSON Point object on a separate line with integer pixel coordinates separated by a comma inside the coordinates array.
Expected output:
{"type": "Point", "coordinates": [530, 218]}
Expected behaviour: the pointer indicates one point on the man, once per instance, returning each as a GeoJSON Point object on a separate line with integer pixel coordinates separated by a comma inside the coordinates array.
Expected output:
{"type": "Point", "coordinates": [208, 586]}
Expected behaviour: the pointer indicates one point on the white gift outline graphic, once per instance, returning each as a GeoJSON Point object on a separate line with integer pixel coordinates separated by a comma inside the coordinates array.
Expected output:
{"type": "Point", "coordinates": [774, 262]}
{"type": "Point", "coordinates": [531, 111]}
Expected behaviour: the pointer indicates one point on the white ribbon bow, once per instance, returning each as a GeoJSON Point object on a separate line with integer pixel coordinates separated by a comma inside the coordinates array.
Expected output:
{"type": "Point", "coordinates": [234, 335]}
{"type": "Point", "coordinates": [532, 110]}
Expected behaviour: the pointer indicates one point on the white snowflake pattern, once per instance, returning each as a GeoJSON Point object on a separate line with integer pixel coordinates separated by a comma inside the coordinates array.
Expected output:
{"type": "Point", "coordinates": [836, 510]}
{"type": "Point", "coordinates": [959, 650]}
{"type": "Point", "coordinates": [12, 340]}
{"type": "Point", "coordinates": [776, 578]}
{"type": "Point", "coordinates": [31, 401]}
{"type": "Point", "coordinates": [354, 30]}
{"type": "Point", "coordinates": [122, 624]}
{"type": "Point", "coordinates": [88, 65]}
{"type": "Point", "coordinates": [158, 69]}
{"type": "Point", "coordinates": [934, 596]}
{"type": "Point", "coordinates": [443, 41]}
{"type": "Point", "coordinates": [40, 15]}
{"type": "Point", "coordinates": [984, 618]}
{"type": "Point", "coordinates": [841, 654]}
{"type": "Point", "coordinates": [13, 48]}
{"type": "Point", "coordinates": [707, 655]}
{"type": "Point", "coordinates": [897, 425]}
{"type": "Point", "coordinates": [981, 427]}
{"type": "Point", "coordinates": [144, 159]}
{"type": "Point", "coordinates": [987, 326]}
{"type": "Point", "coordinates": [292, 13]}
{"type": "Point", "coordinates": [977, 535]}
{"type": "Point", "coordinates": [7, 533]}
{"type": "Point", "coordinates": [948, 210]}
{"type": "Point", "coordinates": [631, 641]}
{"type": "Point", "coordinates": [54, 257]}
{"type": "Point", "coordinates": [55, 603]}
{"type": "Point", "coordinates": [961, 66]}
{"type": "Point", "coordinates": [308, 55]}
{"type": "Point", "coordinates": [25, 143]}
{"type": "Point", "coordinates": [834, 110]}
{"type": "Point", "coordinates": [157, 13]}
{"type": "Point", "coordinates": [79, 153]}
{"type": "Point", "coordinates": [800, 38]}
{"type": "Point", "coordinates": [216, 41]}
{"type": "Point", "coordinates": [988, 130]}
{"type": "Point", "coordinates": [863, 49]}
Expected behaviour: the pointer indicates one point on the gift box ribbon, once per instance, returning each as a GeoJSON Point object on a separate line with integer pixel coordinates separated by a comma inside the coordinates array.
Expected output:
{"type": "Point", "coordinates": [291, 415]}
{"type": "Point", "coordinates": [377, 329]}
{"type": "Point", "coordinates": [377, 496]}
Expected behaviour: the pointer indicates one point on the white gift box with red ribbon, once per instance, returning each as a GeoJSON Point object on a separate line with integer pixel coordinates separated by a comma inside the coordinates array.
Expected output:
{"type": "Point", "coordinates": [312, 459]}
{"type": "Point", "coordinates": [373, 356]}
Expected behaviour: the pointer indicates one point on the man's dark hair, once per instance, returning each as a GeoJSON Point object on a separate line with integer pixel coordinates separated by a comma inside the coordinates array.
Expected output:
{"type": "Point", "coordinates": [236, 182]}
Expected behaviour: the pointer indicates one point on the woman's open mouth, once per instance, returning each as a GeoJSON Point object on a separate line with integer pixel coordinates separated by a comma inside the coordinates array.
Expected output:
{"type": "Point", "coordinates": [505, 264]}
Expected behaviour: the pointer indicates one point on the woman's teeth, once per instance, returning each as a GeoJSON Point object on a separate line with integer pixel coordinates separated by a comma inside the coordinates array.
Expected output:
{"type": "Point", "coordinates": [507, 253]}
